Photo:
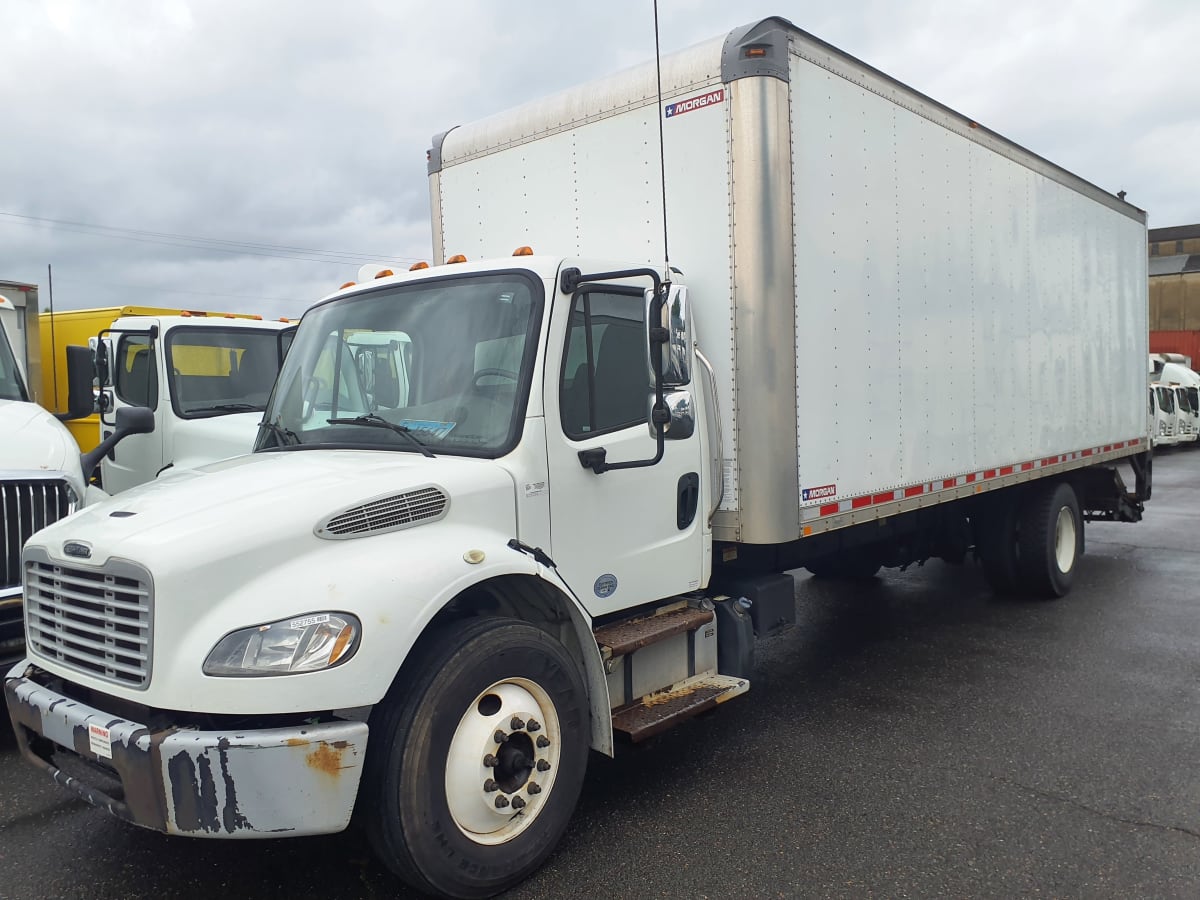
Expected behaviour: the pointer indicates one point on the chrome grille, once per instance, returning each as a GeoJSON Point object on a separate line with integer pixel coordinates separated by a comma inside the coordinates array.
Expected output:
{"type": "Point", "coordinates": [389, 513]}
{"type": "Point", "coordinates": [97, 621]}
{"type": "Point", "coordinates": [29, 505]}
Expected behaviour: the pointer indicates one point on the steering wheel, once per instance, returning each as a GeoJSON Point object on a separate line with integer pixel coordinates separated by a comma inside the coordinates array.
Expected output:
{"type": "Point", "coordinates": [500, 373]}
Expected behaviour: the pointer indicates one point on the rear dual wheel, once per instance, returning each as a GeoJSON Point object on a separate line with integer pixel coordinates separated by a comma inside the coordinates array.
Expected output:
{"type": "Point", "coordinates": [1050, 540]}
{"type": "Point", "coordinates": [1032, 545]}
{"type": "Point", "coordinates": [476, 758]}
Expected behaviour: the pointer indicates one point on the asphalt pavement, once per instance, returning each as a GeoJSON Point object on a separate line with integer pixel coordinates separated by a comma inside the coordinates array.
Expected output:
{"type": "Point", "coordinates": [911, 738]}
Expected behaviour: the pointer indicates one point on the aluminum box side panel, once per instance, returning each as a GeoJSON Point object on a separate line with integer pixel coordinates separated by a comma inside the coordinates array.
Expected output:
{"type": "Point", "coordinates": [957, 307]}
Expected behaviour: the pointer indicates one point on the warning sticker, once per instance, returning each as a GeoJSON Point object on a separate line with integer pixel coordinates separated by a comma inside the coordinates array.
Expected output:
{"type": "Point", "coordinates": [99, 741]}
{"type": "Point", "coordinates": [700, 102]}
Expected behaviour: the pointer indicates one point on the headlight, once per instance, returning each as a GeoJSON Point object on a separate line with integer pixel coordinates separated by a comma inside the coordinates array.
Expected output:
{"type": "Point", "coordinates": [303, 644]}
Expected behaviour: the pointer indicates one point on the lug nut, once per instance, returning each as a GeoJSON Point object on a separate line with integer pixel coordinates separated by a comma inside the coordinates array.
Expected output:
{"type": "Point", "coordinates": [490, 785]}
{"type": "Point", "coordinates": [490, 761]}
{"type": "Point", "coordinates": [516, 724]}
{"type": "Point", "coordinates": [499, 737]}
{"type": "Point", "coordinates": [501, 802]}
{"type": "Point", "coordinates": [534, 788]}
{"type": "Point", "coordinates": [543, 741]}
{"type": "Point", "coordinates": [533, 725]}
{"type": "Point", "coordinates": [518, 803]}
{"type": "Point", "coordinates": [543, 766]}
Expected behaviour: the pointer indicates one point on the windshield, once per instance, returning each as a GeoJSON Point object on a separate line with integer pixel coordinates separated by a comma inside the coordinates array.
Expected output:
{"type": "Point", "coordinates": [12, 387]}
{"type": "Point", "coordinates": [447, 362]}
{"type": "Point", "coordinates": [217, 371]}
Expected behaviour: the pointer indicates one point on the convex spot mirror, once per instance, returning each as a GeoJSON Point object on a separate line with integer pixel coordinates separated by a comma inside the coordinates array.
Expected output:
{"type": "Point", "coordinates": [670, 358]}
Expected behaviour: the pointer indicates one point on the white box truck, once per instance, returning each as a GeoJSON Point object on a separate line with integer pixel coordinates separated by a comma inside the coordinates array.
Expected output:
{"type": "Point", "coordinates": [898, 336]}
{"type": "Point", "coordinates": [43, 476]}
{"type": "Point", "coordinates": [205, 378]}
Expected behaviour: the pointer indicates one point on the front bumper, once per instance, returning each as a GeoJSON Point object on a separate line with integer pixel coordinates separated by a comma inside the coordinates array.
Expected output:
{"type": "Point", "coordinates": [266, 782]}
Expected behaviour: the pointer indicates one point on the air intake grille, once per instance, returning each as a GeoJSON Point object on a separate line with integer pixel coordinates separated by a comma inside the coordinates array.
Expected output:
{"type": "Point", "coordinates": [96, 621]}
{"type": "Point", "coordinates": [386, 514]}
{"type": "Point", "coordinates": [29, 505]}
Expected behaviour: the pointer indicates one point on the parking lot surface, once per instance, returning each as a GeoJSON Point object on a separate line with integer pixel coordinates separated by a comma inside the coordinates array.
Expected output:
{"type": "Point", "coordinates": [912, 737]}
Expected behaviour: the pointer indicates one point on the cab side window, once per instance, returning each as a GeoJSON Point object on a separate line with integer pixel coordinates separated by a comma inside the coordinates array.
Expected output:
{"type": "Point", "coordinates": [136, 377]}
{"type": "Point", "coordinates": [605, 383]}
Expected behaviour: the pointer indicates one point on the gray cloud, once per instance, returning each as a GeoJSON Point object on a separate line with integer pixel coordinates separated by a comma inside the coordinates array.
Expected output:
{"type": "Point", "coordinates": [306, 125]}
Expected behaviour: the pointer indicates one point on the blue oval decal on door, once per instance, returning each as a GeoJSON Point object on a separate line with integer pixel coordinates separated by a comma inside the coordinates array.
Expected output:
{"type": "Point", "coordinates": [605, 586]}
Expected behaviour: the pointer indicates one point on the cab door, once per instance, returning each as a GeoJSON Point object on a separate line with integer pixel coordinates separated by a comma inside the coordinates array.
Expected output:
{"type": "Point", "coordinates": [625, 536]}
{"type": "Point", "coordinates": [133, 380]}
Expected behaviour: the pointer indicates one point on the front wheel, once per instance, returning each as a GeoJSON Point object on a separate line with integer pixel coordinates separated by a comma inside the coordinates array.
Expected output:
{"type": "Point", "coordinates": [476, 758]}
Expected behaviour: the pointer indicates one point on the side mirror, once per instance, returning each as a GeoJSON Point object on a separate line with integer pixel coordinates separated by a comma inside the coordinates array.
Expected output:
{"type": "Point", "coordinates": [81, 369]}
{"type": "Point", "coordinates": [669, 339]}
{"type": "Point", "coordinates": [102, 360]}
{"type": "Point", "coordinates": [130, 420]}
{"type": "Point", "coordinates": [682, 424]}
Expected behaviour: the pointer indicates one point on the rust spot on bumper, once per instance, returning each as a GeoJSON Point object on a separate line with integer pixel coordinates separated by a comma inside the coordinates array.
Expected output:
{"type": "Point", "coordinates": [327, 758]}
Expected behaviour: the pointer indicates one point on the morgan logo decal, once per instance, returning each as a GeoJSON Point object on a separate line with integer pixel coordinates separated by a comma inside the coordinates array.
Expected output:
{"type": "Point", "coordinates": [684, 106]}
{"type": "Point", "coordinates": [77, 549]}
{"type": "Point", "coordinates": [818, 493]}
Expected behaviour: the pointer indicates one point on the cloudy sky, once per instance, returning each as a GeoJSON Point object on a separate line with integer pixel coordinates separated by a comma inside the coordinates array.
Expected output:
{"type": "Point", "coordinates": [248, 155]}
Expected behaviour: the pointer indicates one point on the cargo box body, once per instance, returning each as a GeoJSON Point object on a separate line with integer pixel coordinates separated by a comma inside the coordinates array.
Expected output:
{"type": "Point", "coordinates": [901, 306]}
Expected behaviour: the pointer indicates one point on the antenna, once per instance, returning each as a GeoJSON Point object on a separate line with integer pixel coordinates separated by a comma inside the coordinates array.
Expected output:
{"type": "Point", "coordinates": [662, 153]}
{"type": "Point", "coordinates": [53, 361]}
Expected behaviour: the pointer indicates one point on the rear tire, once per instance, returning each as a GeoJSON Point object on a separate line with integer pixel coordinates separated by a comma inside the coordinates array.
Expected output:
{"type": "Point", "coordinates": [1051, 539]}
{"type": "Point", "coordinates": [997, 547]}
{"type": "Point", "coordinates": [429, 792]}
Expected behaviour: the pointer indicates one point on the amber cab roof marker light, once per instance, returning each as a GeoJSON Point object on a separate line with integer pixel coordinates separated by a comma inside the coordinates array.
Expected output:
{"type": "Point", "coordinates": [523, 251]}
{"type": "Point", "coordinates": [346, 285]}
{"type": "Point", "coordinates": [384, 273]}
{"type": "Point", "coordinates": [456, 258]}
{"type": "Point", "coordinates": [418, 266]}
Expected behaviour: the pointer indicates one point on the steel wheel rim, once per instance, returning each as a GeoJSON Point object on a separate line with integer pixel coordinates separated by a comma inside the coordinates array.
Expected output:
{"type": "Point", "coordinates": [473, 787]}
{"type": "Point", "coordinates": [1064, 540]}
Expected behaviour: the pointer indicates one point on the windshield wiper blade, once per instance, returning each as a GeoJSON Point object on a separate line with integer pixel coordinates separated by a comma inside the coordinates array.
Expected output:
{"type": "Point", "coordinates": [376, 421]}
{"type": "Point", "coordinates": [226, 407]}
{"type": "Point", "coordinates": [286, 435]}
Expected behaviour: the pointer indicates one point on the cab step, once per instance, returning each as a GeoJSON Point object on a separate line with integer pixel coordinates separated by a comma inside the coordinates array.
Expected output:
{"type": "Point", "coordinates": [658, 712]}
{"type": "Point", "coordinates": [623, 638]}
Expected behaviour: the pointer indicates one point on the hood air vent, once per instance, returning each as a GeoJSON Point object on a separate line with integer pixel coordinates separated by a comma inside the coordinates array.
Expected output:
{"type": "Point", "coordinates": [390, 513]}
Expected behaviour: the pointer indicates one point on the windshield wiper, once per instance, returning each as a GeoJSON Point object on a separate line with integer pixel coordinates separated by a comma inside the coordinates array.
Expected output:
{"type": "Point", "coordinates": [286, 435]}
{"type": "Point", "coordinates": [226, 407]}
{"type": "Point", "coordinates": [373, 420]}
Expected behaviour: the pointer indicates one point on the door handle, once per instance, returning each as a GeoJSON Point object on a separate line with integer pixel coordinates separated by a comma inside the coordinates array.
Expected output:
{"type": "Point", "coordinates": [688, 499]}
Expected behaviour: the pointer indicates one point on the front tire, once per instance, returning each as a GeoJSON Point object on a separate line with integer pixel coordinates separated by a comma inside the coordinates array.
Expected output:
{"type": "Point", "coordinates": [476, 758]}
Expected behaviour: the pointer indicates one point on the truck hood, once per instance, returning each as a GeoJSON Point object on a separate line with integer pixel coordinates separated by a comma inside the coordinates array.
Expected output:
{"type": "Point", "coordinates": [35, 440]}
{"type": "Point", "coordinates": [266, 504]}
{"type": "Point", "coordinates": [198, 442]}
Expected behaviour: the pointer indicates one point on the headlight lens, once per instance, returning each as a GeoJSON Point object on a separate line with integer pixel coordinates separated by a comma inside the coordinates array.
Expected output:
{"type": "Point", "coordinates": [303, 644]}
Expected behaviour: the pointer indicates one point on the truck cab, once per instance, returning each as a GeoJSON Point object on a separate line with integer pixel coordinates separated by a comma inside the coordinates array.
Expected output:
{"type": "Point", "coordinates": [43, 476]}
{"type": "Point", "coordinates": [207, 380]}
{"type": "Point", "coordinates": [1165, 416]}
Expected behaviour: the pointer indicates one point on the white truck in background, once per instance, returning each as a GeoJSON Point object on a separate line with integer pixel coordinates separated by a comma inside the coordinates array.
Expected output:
{"type": "Point", "coordinates": [43, 476]}
{"type": "Point", "coordinates": [205, 378]}
{"type": "Point", "coordinates": [567, 527]}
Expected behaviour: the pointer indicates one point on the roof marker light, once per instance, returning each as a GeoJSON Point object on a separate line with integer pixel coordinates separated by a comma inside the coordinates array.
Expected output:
{"type": "Point", "coordinates": [417, 266]}
{"type": "Point", "coordinates": [456, 258]}
{"type": "Point", "coordinates": [384, 273]}
{"type": "Point", "coordinates": [346, 285]}
{"type": "Point", "coordinates": [523, 251]}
